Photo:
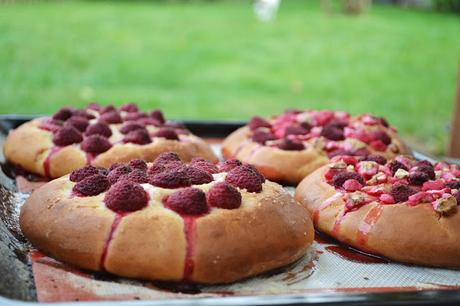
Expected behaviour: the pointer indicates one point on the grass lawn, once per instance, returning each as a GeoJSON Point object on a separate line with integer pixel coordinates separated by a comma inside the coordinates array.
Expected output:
{"type": "Point", "coordinates": [214, 60]}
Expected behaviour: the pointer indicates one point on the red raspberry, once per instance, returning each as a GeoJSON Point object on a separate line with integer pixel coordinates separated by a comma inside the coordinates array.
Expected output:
{"type": "Point", "coordinates": [126, 196]}
{"type": "Point", "coordinates": [115, 165]}
{"type": "Point", "coordinates": [118, 172]}
{"type": "Point", "coordinates": [107, 109]}
{"type": "Point", "coordinates": [129, 107]}
{"type": "Point", "coordinates": [224, 195]}
{"type": "Point", "coordinates": [167, 133]}
{"type": "Point", "coordinates": [131, 126]}
{"type": "Point", "coordinates": [428, 169]}
{"type": "Point", "coordinates": [95, 144]}
{"type": "Point", "coordinates": [175, 125]}
{"type": "Point", "coordinates": [63, 114]}
{"type": "Point", "coordinates": [386, 199]}
{"type": "Point", "coordinates": [79, 174]}
{"type": "Point", "coordinates": [395, 165]}
{"type": "Point", "coordinates": [111, 117]}
{"type": "Point", "coordinates": [83, 113]}
{"type": "Point", "coordinates": [80, 123]}
{"type": "Point", "coordinates": [204, 165]}
{"type": "Point", "coordinates": [198, 176]}
{"type": "Point", "coordinates": [93, 106]}
{"type": "Point", "coordinates": [254, 169]}
{"type": "Point", "coordinates": [341, 177]}
{"type": "Point", "coordinates": [324, 117]}
{"type": "Point", "coordinates": [136, 176]}
{"type": "Point", "coordinates": [383, 122]}
{"type": "Point", "coordinates": [171, 178]}
{"type": "Point", "coordinates": [295, 130]}
{"type": "Point", "coordinates": [378, 145]}
{"type": "Point", "coordinates": [382, 136]}
{"type": "Point", "coordinates": [262, 137]}
{"type": "Point", "coordinates": [433, 185]}
{"type": "Point", "coordinates": [188, 201]}
{"type": "Point", "coordinates": [291, 145]}
{"type": "Point", "coordinates": [99, 128]}
{"type": "Point", "coordinates": [138, 164]}
{"type": "Point", "coordinates": [91, 185]}
{"type": "Point", "coordinates": [332, 132]}
{"type": "Point", "coordinates": [140, 137]}
{"type": "Point", "coordinates": [258, 122]}
{"type": "Point", "coordinates": [165, 161]}
{"type": "Point", "coordinates": [244, 178]}
{"type": "Point", "coordinates": [158, 115]}
{"type": "Point", "coordinates": [149, 121]}
{"type": "Point", "coordinates": [135, 116]}
{"type": "Point", "coordinates": [352, 185]}
{"type": "Point", "coordinates": [418, 178]}
{"type": "Point", "coordinates": [307, 126]}
{"type": "Point", "coordinates": [379, 159]}
{"type": "Point", "coordinates": [228, 165]}
{"type": "Point", "coordinates": [401, 192]}
{"type": "Point", "coordinates": [67, 135]}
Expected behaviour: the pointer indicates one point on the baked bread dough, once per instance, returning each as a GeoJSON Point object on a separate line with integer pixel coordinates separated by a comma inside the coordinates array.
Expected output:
{"type": "Point", "coordinates": [100, 136]}
{"type": "Point", "coordinates": [405, 210]}
{"type": "Point", "coordinates": [169, 221]}
{"type": "Point", "coordinates": [290, 146]}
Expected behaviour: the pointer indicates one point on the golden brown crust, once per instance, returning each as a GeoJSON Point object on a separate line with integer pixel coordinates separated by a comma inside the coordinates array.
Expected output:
{"type": "Point", "coordinates": [410, 234]}
{"type": "Point", "coordinates": [285, 166]}
{"type": "Point", "coordinates": [28, 147]}
{"type": "Point", "coordinates": [268, 231]}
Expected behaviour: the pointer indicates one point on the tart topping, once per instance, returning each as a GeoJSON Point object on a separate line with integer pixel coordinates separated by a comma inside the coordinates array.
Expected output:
{"type": "Point", "coordinates": [91, 185]}
{"type": "Point", "coordinates": [245, 177]}
{"type": "Point", "coordinates": [261, 136]}
{"type": "Point", "coordinates": [139, 137]}
{"type": "Point", "coordinates": [188, 201]}
{"type": "Point", "coordinates": [126, 196]}
{"type": "Point", "coordinates": [138, 164]}
{"type": "Point", "coordinates": [332, 132]}
{"type": "Point", "coordinates": [340, 178]}
{"type": "Point", "coordinates": [135, 116]}
{"type": "Point", "coordinates": [258, 122]}
{"type": "Point", "coordinates": [355, 200]}
{"type": "Point", "coordinates": [79, 174]}
{"type": "Point", "coordinates": [401, 174]}
{"type": "Point", "coordinates": [198, 176]}
{"type": "Point", "coordinates": [63, 114]}
{"type": "Point", "coordinates": [96, 144]}
{"type": "Point", "coordinates": [401, 192]}
{"type": "Point", "coordinates": [158, 115]}
{"type": "Point", "coordinates": [418, 178]}
{"type": "Point", "coordinates": [167, 133]}
{"type": "Point", "coordinates": [116, 173]}
{"type": "Point", "coordinates": [379, 159]}
{"type": "Point", "coordinates": [136, 176]}
{"type": "Point", "coordinates": [67, 135]}
{"type": "Point", "coordinates": [352, 185]}
{"type": "Point", "coordinates": [80, 123]}
{"type": "Point", "coordinates": [131, 126]}
{"type": "Point", "coordinates": [129, 107]}
{"type": "Point", "coordinates": [224, 195]}
{"type": "Point", "coordinates": [445, 205]}
{"type": "Point", "coordinates": [291, 145]}
{"type": "Point", "coordinates": [228, 165]}
{"type": "Point", "coordinates": [204, 165]}
{"type": "Point", "coordinates": [295, 130]}
{"type": "Point", "coordinates": [99, 128]}
{"type": "Point", "coordinates": [395, 165]}
{"type": "Point", "coordinates": [111, 117]}
{"type": "Point", "coordinates": [171, 178]}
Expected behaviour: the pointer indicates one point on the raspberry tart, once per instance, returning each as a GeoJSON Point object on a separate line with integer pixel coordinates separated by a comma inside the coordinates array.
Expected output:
{"type": "Point", "coordinates": [100, 136]}
{"type": "Point", "coordinates": [403, 209]}
{"type": "Point", "coordinates": [169, 221]}
{"type": "Point", "coordinates": [290, 146]}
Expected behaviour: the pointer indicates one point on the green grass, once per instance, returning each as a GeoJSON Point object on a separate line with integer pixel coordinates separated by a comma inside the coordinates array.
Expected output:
{"type": "Point", "coordinates": [214, 60]}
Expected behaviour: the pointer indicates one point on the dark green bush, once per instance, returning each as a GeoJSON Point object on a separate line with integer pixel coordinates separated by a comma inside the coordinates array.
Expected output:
{"type": "Point", "coordinates": [447, 5]}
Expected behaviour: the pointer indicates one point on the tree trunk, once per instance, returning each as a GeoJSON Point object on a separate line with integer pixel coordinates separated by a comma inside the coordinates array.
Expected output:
{"type": "Point", "coordinates": [355, 7]}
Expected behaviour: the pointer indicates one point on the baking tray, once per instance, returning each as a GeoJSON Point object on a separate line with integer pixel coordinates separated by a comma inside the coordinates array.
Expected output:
{"type": "Point", "coordinates": [17, 284]}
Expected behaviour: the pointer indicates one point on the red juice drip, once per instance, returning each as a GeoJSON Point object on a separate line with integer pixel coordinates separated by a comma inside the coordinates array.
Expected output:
{"type": "Point", "coordinates": [189, 230]}
{"type": "Point", "coordinates": [47, 161]}
{"type": "Point", "coordinates": [325, 204]}
{"type": "Point", "coordinates": [105, 250]}
{"type": "Point", "coordinates": [89, 158]}
{"type": "Point", "coordinates": [338, 222]}
{"type": "Point", "coordinates": [369, 221]}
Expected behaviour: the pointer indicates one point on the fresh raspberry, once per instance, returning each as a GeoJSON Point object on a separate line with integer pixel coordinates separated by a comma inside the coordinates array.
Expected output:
{"type": "Point", "coordinates": [418, 178]}
{"type": "Point", "coordinates": [165, 161]}
{"type": "Point", "coordinates": [167, 157]}
{"type": "Point", "coordinates": [136, 176]}
{"type": "Point", "coordinates": [63, 114]}
{"type": "Point", "coordinates": [79, 174]}
{"type": "Point", "coordinates": [228, 165]}
{"type": "Point", "coordinates": [341, 177]}
{"type": "Point", "coordinates": [339, 123]}
{"type": "Point", "coordinates": [378, 145]}
{"type": "Point", "coordinates": [352, 185]}
{"type": "Point", "coordinates": [198, 176]}
{"type": "Point", "coordinates": [401, 192]}
{"type": "Point", "coordinates": [131, 126]}
{"type": "Point", "coordinates": [138, 164]}
{"type": "Point", "coordinates": [82, 113]}
{"type": "Point", "coordinates": [167, 133]}
{"type": "Point", "coordinates": [379, 159]}
{"type": "Point", "coordinates": [111, 117]}
{"type": "Point", "coordinates": [323, 117]}
{"type": "Point", "coordinates": [295, 130]}
{"type": "Point", "coordinates": [383, 122]}
{"type": "Point", "coordinates": [91, 185]}
{"type": "Point", "coordinates": [386, 199]}
{"type": "Point", "coordinates": [224, 195]}
{"type": "Point", "coordinates": [126, 196]}
{"type": "Point", "coordinates": [129, 107]}
{"type": "Point", "coordinates": [158, 115]}
{"type": "Point", "coordinates": [99, 128]}
{"type": "Point", "coordinates": [332, 132]}
{"type": "Point", "coordinates": [454, 185]}
{"type": "Point", "coordinates": [140, 137]}
{"type": "Point", "coordinates": [258, 122]}
{"type": "Point", "coordinates": [187, 201]}
{"type": "Point", "coordinates": [382, 136]}
{"type": "Point", "coordinates": [115, 165]}
{"type": "Point", "coordinates": [67, 135]}
{"type": "Point", "coordinates": [93, 106]}
{"type": "Point", "coordinates": [395, 165]}
{"type": "Point", "coordinates": [135, 116]}
{"type": "Point", "coordinates": [427, 169]}
{"type": "Point", "coordinates": [118, 172]}
{"type": "Point", "coordinates": [95, 144]}
{"type": "Point", "coordinates": [307, 126]}
{"type": "Point", "coordinates": [424, 162]}
{"type": "Point", "coordinates": [262, 137]}
{"type": "Point", "coordinates": [204, 165]}
{"type": "Point", "coordinates": [80, 123]}
{"type": "Point", "coordinates": [254, 169]}
{"type": "Point", "coordinates": [171, 178]}
{"type": "Point", "coordinates": [433, 185]}
{"type": "Point", "coordinates": [291, 145]}
{"type": "Point", "coordinates": [107, 109]}
{"type": "Point", "coordinates": [244, 178]}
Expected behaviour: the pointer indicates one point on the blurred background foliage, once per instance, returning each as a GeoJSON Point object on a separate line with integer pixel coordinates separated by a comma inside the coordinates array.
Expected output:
{"type": "Point", "coordinates": [215, 60]}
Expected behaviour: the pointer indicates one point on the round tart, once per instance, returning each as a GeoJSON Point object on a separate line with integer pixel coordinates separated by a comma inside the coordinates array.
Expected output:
{"type": "Point", "coordinates": [169, 221]}
{"type": "Point", "coordinates": [99, 136]}
{"type": "Point", "coordinates": [405, 210]}
{"type": "Point", "coordinates": [290, 146]}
